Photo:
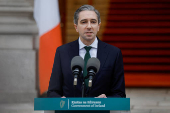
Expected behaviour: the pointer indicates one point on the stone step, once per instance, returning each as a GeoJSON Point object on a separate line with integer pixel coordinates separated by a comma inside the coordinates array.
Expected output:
{"type": "Point", "coordinates": [16, 3]}
{"type": "Point", "coordinates": [18, 29]}
{"type": "Point", "coordinates": [18, 108]}
{"type": "Point", "coordinates": [7, 9]}
{"type": "Point", "coordinates": [16, 19]}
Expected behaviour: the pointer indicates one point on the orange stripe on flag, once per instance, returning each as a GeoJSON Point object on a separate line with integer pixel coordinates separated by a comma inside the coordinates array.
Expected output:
{"type": "Point", "coordinates": [48, 44]}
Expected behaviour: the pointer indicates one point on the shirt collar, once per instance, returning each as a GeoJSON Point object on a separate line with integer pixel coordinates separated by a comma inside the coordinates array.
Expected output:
{"type": "Point", "coordinates": [93, 45]}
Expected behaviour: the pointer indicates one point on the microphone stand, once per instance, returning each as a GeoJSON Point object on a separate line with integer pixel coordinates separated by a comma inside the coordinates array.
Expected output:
{"type": "Point", "coordinates": [83, 87]}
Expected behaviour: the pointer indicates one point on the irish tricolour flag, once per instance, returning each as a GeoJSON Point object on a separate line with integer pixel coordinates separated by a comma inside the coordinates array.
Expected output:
{"type": "Point", "coordinates": [46, 14]}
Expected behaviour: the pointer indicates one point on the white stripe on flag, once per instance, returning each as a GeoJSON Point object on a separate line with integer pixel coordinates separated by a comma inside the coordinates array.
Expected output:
{"type": "Point", "coordinates": [46, 14]}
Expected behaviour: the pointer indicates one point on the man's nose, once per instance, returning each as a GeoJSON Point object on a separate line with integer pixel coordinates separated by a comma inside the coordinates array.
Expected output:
{"type": "Point", "coordinates": [89, 25]}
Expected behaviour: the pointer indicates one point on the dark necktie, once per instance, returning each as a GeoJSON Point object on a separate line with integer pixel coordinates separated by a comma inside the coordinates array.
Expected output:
{"type": "Point", "coordinates": [86, 58]}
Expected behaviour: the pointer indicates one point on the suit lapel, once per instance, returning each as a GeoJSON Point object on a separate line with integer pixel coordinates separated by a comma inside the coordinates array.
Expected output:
{"type": "Point", "coordinates": [74, 49]}
{"type": "Point", "coordinates": [102, 54]}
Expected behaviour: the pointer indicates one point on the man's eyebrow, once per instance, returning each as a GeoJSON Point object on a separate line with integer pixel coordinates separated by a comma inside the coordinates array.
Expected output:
{"type": "Point", "coordinates": [94, 19]}
{"type": "Point", "coordinates": [86, 20]}
{"type": "Point", "coordinates": [83, 20]}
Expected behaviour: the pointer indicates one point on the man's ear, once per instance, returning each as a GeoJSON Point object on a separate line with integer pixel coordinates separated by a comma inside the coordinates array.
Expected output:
{"type": "Point", "coordinates": [99, 26]}
{"type": "Point", "coordinates": [75, 26]}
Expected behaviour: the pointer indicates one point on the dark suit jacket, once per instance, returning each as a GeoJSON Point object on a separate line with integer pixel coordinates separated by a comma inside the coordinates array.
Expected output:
{"type": "Point", "coordinates": [109, 80]}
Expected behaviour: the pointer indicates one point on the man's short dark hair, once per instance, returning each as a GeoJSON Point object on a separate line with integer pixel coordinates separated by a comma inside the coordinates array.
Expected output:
{"type": "Point", "coordinates": [85, 8]}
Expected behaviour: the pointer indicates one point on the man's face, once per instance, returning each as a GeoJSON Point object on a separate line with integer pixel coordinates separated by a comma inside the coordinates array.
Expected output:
{"type": "Point", "coordinates": [87, 25]}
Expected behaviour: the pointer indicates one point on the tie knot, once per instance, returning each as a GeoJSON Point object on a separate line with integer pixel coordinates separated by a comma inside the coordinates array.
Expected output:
{"type": "Point", "coordinates": [87, 48]}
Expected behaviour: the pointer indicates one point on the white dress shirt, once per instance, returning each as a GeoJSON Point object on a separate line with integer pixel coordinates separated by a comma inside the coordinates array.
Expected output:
{"type": "Point", "coordinates": [93, 50]}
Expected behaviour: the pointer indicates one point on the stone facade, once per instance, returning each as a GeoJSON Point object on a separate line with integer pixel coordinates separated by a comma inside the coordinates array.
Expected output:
{"type": "Point", "coordinates": [18, 52]}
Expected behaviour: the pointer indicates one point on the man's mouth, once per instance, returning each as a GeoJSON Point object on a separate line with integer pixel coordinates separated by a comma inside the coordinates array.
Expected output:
{"type": "Point", "coordinates": [89, 33]}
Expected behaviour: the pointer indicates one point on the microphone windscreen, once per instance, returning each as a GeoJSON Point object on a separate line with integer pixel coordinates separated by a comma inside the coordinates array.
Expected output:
{"type": "Point", "coordinates": [77, 61]}
{"type": "Point", "coordinates": [93, 62]}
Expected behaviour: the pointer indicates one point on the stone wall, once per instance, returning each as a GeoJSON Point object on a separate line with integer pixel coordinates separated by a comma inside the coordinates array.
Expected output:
{"type": "Point", "coordinates": [18, 51]}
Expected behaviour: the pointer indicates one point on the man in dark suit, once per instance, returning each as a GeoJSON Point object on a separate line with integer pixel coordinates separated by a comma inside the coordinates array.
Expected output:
{"type": "Point", "coordinates": [108, 82]}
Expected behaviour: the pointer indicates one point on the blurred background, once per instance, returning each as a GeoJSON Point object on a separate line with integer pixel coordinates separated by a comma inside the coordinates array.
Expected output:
{"type": "Point", "coordinates": [140, 28]}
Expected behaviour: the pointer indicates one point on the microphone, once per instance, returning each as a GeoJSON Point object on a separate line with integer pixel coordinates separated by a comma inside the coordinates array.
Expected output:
{"type": "Point", "coordinates": [93, 66]}
{"type": "Point", "coordinates": [77, 64]}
